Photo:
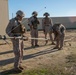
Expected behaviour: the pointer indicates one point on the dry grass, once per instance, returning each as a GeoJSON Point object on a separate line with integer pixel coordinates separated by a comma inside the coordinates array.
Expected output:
{"type": "Point", "coordinates": [42, 60]}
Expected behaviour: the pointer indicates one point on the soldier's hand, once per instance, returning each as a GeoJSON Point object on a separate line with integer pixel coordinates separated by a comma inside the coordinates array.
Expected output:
{"type": "Point", "coordinates": [25, 39]}
{"type": "Point", "coordinates": [31, 27]}
{"type": "Point", "coordinates": [14, 38]}
{"type": "Point", "coordinates": [24, 35]}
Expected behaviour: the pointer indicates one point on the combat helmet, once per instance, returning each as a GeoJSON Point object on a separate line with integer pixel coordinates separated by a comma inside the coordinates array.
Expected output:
{"type": "Point", "coordinates": [20, 13]}
{"type": "Point", "coordinates": [34, 13]}
{"type": "Point", "coordinates": [46, 14]}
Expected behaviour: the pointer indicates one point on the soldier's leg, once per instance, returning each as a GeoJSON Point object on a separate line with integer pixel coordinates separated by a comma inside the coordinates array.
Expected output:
{"type": "Point", "coordinates": [45, 35]}
{"type": "Point", "coordinates": [51, 38]}
{"type": "Point", "coordinates": [36, 36]}
{"type": "Point", "coordinates": [54, 36]}
{"type": "Point", "coordinates": [21, 48]}
{"type": "Point", "coordinates": [46, 38]}
{"type": "Point", "coordinates": [61, 42]}
{"type": "Point", "coordinates": [32, 35]}
{"type": "Point", "coordinates": [57, 43]}
{"type": "Point", "coordinates": [16, 52]}
{"type": "Point", "coordinates": [46, 32]}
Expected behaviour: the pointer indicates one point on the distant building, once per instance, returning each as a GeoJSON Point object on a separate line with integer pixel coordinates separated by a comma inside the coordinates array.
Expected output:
{"type": "Point", "coordinates": [69, 22]}
{"type": "Point", "coordinates": [4, 17]}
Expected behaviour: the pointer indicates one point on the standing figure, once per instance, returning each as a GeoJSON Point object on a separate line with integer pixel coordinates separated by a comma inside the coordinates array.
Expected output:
{"type": "Point", "coordinates": [59, 32]}
{"type": "Point", "coordinates": [16, 29]}
{"type": "Point", "coordinates": [47, 27]}
{"type": "Point", "coordinates": [33, 24]}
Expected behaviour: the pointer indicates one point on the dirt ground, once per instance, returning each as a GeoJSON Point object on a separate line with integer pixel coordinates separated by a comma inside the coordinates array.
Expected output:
{"type": "Point", "coordinates": [44, 55]}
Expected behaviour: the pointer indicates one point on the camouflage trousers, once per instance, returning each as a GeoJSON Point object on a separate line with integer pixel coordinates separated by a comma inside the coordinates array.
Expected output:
{"type": "Point", "coordinates": [34, 34]}
{"type": "Point", "coordinates": [50, 35]}
{"type": "Point", "coordinates": [48, 30]}
{"type": "Point", "coordinates": [18, 48]}
{"type": "Point", "coordinates": [60, 41]}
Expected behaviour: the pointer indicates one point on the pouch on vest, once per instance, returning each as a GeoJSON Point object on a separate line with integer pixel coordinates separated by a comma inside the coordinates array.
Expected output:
{"type": "Point", "coordinates": [18, 29]}
{"type": "Point", "coordinates": [35, 22]}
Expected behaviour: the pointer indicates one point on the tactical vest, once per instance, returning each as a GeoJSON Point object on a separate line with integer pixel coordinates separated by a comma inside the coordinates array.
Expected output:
{"type": "Point", "coordinates": [19, 28]}
{"type": "Point", "coordinates": [35, 22]}
{"type": "Point", "coordinates": [54, 29]}
{"type": "Point", "coordinates": [46, 21]}
{"type": "Point", "coordinates": [61, 27]}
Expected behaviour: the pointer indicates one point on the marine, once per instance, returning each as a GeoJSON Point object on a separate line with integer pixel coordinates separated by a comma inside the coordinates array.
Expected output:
{"type": "Point", "coordinates": [16, 29]}
{"type": "Point", "coordinates": [33, 24]}
{"type": "Point", "coordinates": [59, 34]}
{"type": "Point", "coordinates": [47, 27]}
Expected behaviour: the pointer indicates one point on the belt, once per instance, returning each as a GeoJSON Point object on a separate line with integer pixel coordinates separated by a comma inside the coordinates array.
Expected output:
{"type": "Point", "coordinates": [17, 34]}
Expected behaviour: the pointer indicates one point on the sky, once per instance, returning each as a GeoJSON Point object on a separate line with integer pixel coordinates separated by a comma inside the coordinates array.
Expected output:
{"type": "Point", "coordinates": [56, 8]}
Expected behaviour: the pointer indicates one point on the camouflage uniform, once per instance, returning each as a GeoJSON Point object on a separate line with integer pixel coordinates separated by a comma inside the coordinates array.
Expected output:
{"type": "Point", "coordinates": [47, 26]}
{"type": "Point", "coordinates": [59, 32]}
{"type": "Point", "coordinates": [13, 30]}
{"type": "Point", "coordinates": [33, 23]}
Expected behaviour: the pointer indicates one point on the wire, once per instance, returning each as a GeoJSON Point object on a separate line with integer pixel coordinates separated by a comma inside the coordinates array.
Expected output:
{"type": "Point", "coordinates": [41, 9]}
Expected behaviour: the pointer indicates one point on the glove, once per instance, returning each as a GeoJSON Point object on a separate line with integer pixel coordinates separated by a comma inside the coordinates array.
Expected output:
{"type": "Point", "coordinates": [25, 39]}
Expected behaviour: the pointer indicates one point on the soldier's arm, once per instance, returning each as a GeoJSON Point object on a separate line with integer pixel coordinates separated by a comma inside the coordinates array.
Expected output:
{"type": "Point", "coordinates": [30, 22]}
{"type": "Point", "coordinates": [51, 22]}
{"type": "Point", "coordinates": [63, 29]}
{"type": "Point", "coordinates": [9, 29]}
{"type": "Point", "coordinates": [38, 21]}
{"type": "Point", "coordinates": [58, 30]}
{"type": "Point", "coordinates": [57, 33]}
{"type": "Point", "coordinates": [43, 26]}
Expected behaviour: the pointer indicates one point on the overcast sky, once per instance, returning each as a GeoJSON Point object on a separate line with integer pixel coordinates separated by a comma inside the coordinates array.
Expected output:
{"type": "Point", "coordinates": [56, 8]}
